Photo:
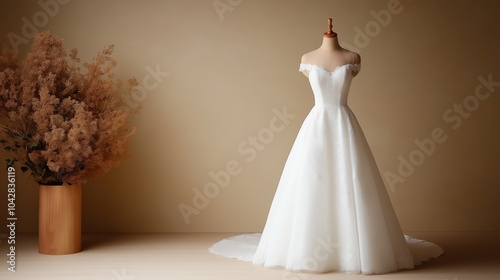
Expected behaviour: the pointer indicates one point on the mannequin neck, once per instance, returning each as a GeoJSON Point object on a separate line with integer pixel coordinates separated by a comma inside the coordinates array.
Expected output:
{"type": "Point", "coordinates": [330, 43]}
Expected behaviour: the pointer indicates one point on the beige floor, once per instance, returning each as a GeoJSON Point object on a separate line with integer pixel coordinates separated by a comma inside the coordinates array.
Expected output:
{"type": "Point", "coordinates": [178, 256]}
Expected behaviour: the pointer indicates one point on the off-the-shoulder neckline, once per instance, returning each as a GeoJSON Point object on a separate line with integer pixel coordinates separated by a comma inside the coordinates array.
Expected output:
{"type": "Point", "coordinates": [335, 69]}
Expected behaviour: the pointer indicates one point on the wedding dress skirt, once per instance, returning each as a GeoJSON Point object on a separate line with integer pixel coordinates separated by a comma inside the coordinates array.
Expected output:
{"type": "Point", "coordinates": [331, 211]}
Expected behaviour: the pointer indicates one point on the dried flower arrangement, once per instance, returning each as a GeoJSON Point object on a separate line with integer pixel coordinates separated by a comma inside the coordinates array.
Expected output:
{"type": "Point", "coordinates": [58, 121]}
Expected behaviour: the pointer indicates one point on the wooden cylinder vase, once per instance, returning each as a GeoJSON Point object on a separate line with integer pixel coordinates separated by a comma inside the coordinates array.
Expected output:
{"type": "Point", "coordinates": [60, 220]}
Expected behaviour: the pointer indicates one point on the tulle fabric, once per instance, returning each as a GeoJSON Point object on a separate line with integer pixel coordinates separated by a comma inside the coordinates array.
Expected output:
{"type": "Point", "coordinates": [244, 246]}
{"type": "Point", "coordinates": [331, 211]}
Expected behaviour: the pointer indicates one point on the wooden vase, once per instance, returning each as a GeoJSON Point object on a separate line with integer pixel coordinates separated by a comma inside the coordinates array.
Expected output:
{"type": "Point", "coordinates": [60, 220]}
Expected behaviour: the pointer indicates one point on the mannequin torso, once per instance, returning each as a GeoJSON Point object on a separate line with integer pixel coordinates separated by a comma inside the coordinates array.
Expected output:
{"type": "Point", "coordinates": [330, 55]}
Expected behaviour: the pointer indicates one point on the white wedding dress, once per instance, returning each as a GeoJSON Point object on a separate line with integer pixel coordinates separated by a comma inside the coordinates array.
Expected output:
{"type": "Point", "coordinates": [331, 211]}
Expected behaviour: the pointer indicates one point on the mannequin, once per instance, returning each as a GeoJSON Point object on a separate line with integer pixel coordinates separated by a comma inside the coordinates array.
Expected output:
{"type": "Point", "coordinates": [331, 210]}
{"type": "Point", "coordinates": [330, 54]}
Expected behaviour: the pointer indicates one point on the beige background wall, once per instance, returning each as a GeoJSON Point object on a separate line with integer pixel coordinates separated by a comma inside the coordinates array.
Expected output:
{"type": "Point", "coordinates": [224, 76]}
